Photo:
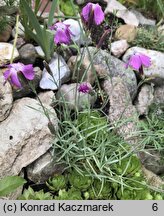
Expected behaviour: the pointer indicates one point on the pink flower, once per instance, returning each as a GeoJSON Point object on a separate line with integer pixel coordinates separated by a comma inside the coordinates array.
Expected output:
{"type": "Point", "coordinates": [63, 33]}
{"type": "Point", "coordinates": [92, 13]}
{"type": "Point", "coordinates": [85, 87]}
{"type": "Point", "coordinates": [11, 74]}
{"type": "Point", "coordinates": [138, 60]}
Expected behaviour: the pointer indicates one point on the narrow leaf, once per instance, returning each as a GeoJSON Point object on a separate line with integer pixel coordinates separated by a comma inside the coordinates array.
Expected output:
{"type": "Point", "coordinates": [52, 11]}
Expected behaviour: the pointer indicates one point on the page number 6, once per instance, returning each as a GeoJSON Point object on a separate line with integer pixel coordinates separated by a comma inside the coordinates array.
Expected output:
{"type": "Point", "coordinates": [155, 207]}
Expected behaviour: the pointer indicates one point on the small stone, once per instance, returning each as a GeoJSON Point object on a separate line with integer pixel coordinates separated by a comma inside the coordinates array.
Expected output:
{"type": "Point", "coordinates": [155, 72]}
{"type": "Point", "coordinates": [26, 90]}
{"type": "Point", "coordinates": [85, 72]}
{"type": "Point", "coordinates": [6, 98]}
{"type": "Point", "coordinates": [122, 12]}
{"type": "Point", "coordinates": [47, 97]}
{"type": "Point", "coordinates": [25, 135]}
{"type": "Point", "coordinates": [20, 31]}
{"type": "Point", "coordinates": [20, 42]}
{"type": "Point", "coordinates": [119, 47]}
{"type": "Point", "coordinates": [27, 54]}
{"type": "Point", "coordinates": [60, 72]}
{"type": "Point", "coordinates": [126, 32]}
{"type": "Point", "coordinates": [5, 35]}
{"type": "Point", "coordinates": [39, 51]}
{"type": "Point", "coordinates": [69, 95]}
{"type": "Point", "coordinates": [6, 53]}
{"type": "Point", "coordinates": [145, 99]}
{"type": "Point", "coordinates": [43, 168]}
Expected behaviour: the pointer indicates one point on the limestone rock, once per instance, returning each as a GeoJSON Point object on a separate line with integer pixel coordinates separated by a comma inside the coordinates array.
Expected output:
{"type": "Point", "coordinates": [156, 70]}
{"type": "Point", "coordinates": [145, 99]}
{"type": "Point", "coordinates": [107, 65]}
{"type": "Point", "coordinates": [126, 32]}
{"type": "Point", "coordinates": [27, 54]}
{"type": "Point", "coordinates": [122, 12]}
{"type": "Point", "coordinates": [25, 136]}
{"type": "Point", "coordinates": [122, 114]}
{"type": "Point", "coordinates": [60, 72]}
{"type": "Point", "coordinates": [6, 52]}
{"type": "Point", "coordinates": [6, 98]}
{"type": "Point", "coordinates": [143, 20]}
{"type": "Point", "coordinates": [119, 47]}
{"type": "Point", "coordinates": [69, 95]}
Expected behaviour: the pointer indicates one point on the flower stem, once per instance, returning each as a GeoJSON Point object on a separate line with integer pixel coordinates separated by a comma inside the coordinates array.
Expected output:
{"type": "Point", "coordinates": [15, 39]}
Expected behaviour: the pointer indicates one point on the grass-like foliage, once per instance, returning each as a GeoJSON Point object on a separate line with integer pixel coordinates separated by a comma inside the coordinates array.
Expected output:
{"type": "Point", "coordinates": [149, 38]}
{"type": "Point", "coordinates": [152, 129]}
{"type": "Point", "coordinates": [40, 34]}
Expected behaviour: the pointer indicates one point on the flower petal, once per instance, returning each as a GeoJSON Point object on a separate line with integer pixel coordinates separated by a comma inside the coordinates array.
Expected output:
{"type": "Point", "coordinates": [6, 74]}
{"type": "Point", "coordinates": [62, 36]}
{"type": "Point", "coordinates": [28, 71]}
{"type": "Point", "coordinates": [146, 60]}
{"type": "Point", "coordinates": [86, 11]}
{"type": "Point", "coordinates": [98, 14]}
{"type": "Point", "coordinates": [14, 80]}
{"type": "Point", "coordinates": [135, 62]}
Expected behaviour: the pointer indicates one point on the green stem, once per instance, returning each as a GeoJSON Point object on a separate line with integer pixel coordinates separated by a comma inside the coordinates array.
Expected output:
{"type": "Point", "coordinates": [15, 39]}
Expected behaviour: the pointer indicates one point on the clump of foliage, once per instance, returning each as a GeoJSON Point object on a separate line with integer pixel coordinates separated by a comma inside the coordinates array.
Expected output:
{"type": "Point", "coordinates": [30, 194]}
{"type": "Point", "coordinates": [149, 38]}
{"type": "Point", "coordinates": [82, 187]}
{"type": "Point", "coordinates": [152, 129]}
{"type": "Point", "coordinates": [67, 7]}
{"type": "Point", "coordinates": [7, 13]}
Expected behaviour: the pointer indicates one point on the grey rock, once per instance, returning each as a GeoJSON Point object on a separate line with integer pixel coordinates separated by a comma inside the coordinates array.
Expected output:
{"type": "Point", "coordinates": [153, 161]}
{"type": "Point", "coordinates": [122, 12]}
{"type": "Point", "coordinates": [43, 168]}
{"type": "Point", "coordinates": [156, 70]}
{"type": "Point", "coordinates": [119, 47]}
{"type": "Point", "coordinates": [112, 67]}
{"type": "Point", "coordinates": [60, 72]}
{"type": "Point", "coordinates": [122, 114]}
{"type": "Point", "coordinates": [5, 34]}
{"type": "Point", "coordinates": [26, 90]}
{"type": "Point", "coordinates": [20, 42]}
{"type": "Point", "coordinates": [6, 53]}
{"type": "Point", "coordinates": [85, 71]}
{"type": "Point", "coordinates": [159, 95]}
{"type": "Point", "coordinates": [25, 135]}
{"type": "Point", "coordinates": [27, 54]}
{"type": "Point", "coordinates": [145, 99]}
{"type": "Point", "coordinates": [6, 98]}
{"type": "Point", "coordinates": [47, 97]}
{"type": "Point", "coordinates": [73, 99]}
{"type": "Point", "coordinates": [20, 31]}
{"type": "Point", "coordinates": [143, 20]}
{"type": "Point", "coordinates": [39, 52]}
